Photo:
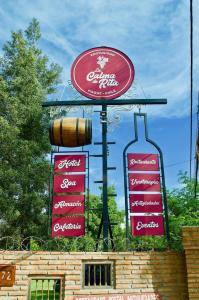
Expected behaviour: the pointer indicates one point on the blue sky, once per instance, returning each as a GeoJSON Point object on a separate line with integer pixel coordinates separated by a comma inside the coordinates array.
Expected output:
{"type": "Point", "coordinates": [154, 34]}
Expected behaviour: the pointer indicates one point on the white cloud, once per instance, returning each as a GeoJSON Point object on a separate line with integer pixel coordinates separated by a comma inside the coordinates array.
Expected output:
{"type": "Point", "coordinates": [156, 38]}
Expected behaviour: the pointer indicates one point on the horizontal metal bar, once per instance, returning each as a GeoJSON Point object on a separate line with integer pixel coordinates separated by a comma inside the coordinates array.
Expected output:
{"type": "Point", "coordinates": [104, 102]}
{"type": "Point", "coordinates": [96, 155]}
{"type": "Point", "coordinates": [112, 195]}
{"type": "Point", "coordinates": [68, 152]}
{"type": "Point", "coordinates": [98, 181]}
{"type": "Point", "coordinates": [111, 168]}
{"type": "Point", "coordinates": [100, 143]}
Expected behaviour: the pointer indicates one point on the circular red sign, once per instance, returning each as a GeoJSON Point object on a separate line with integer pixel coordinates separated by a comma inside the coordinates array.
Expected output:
{"type": "Point", "coordinates": [102, 73]}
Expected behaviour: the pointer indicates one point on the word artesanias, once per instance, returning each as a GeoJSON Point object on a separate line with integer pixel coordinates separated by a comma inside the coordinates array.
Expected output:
{"type": "Point", "coordinates": [144, 203]}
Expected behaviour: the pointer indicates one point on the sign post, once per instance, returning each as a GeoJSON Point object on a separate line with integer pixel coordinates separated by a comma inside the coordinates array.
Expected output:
{"type": "Point", "coordinates": [105, 180]}
{"type": "Point", "coordinates": [103, 74]}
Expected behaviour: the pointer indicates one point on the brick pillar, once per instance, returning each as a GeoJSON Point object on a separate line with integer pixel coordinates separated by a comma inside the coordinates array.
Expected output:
{"type": "Point", "coordinates": [191, 246]}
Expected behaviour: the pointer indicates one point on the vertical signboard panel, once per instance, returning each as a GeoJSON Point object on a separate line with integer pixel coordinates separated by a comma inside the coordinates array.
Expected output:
{"type": "Point", "coordinates": [69, 183]}
{"type": "Point", "coordinates": [143, 162]}
{"type": "Point", "coordinates": [145, 203]}
{"type": "Point", "coordinates": [68, 198]}
{"type": "Point", "coordinates": [68, 226]}
{"type": "Point", "coordinates": [147, 225]}
{"type": "Point", "coordinates": [70, 204]}
{"type": "Point", "coordinates": [144, 182]}
{"type": "Point", "coordinates": [145, 196]}
{"type": "Point", "coordinates": [69, 163]}
{"type": "Point", "coordinates": [131, 296]}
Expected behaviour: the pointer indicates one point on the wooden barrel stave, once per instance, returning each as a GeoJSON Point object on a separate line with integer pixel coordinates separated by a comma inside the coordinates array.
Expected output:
{"type": "Point", "coordinates": [71, 132]}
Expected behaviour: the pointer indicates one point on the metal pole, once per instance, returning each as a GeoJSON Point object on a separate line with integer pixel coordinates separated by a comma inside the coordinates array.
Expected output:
{"type": "Point", "coordinates": [125, 179]}
{"type": "Point", "coordinates": [105, 182]}
{"type": "Point", "coordinates": [50, 195]}
{"type": "Point", "coordinates": [163, 177]}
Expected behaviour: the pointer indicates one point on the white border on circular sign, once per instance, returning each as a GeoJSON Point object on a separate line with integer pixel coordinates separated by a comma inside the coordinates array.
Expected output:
{"type": "Point", "coordinates": [117, 52]}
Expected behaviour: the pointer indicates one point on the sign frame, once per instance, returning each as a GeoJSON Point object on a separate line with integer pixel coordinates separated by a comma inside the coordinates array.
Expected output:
{"type": "Point", "coordinates": [7, 271]}
{"type": "Point", "coordinates": [68, 166]}
{"type": "Point", "coordinates": [70, 194]}
{"type": "Point", "coordinates": [120, 73]}
{"type": "Point", "coordinates": [151, 225]}
{"type": "Point", "coordinates": [71, 230]}
{"type": "Point", "coordinates": [63, 209]}
{"type": "Point", "coordinates": [144, 182]}
{"type": "Point", "coordinates": [125, 168]}
{"type": "Point", "coordinates": [124, 296]}
{"type": "Point", "coordinates": [143, 162]}
{"type": "Point", "coordinates": [141, 201]}
{"type": "Point", "coordinates": [70, 183]}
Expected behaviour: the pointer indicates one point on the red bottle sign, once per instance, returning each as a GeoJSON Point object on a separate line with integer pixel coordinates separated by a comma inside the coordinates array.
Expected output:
{"type": "Point", "coordinates": [69, 163]}
{"type": "Point", "coordinates": [147, 225]}
{"type": "Point", "coordinates": [144, 182]}
{"type": "Point", "coordinates": [142, 162]}
{"type": "Point", "coordinates": [102, 73]}
{"type": "Point", "coordinates": [68, 204]}
{"type": "Point", "coordinates": [68, 226]}
{"type": "Point", "coordinates": [69, 183]}
{"type": "Point", "coordinates": [145, 203]}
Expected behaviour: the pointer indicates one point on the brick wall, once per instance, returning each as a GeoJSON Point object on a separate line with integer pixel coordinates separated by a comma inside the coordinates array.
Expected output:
{"type": "Point", "coordinates": [191, 246]}
{"type": "Point", "coordinates": [162, 272]}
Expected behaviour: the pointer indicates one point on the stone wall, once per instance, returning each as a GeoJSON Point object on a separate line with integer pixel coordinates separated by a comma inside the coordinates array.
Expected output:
{"type": "Point", "coordinates": [135, 272]}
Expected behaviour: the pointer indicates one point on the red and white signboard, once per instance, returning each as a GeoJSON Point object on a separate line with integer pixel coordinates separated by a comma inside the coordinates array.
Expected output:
{"type": "Point", "coordinates": [102, 73]}
{"type": "Point", "coordinates": [69, 183]}
{"type": "Point", "coordinates": [69, 163]}
{"type": "Point", "coordinates": [142, 162]}
{"type": "Point", "coordinates": [68, 226]}
{"type": "Point", "coordinates": [70, 204]}
{"type": "Point", "coordinates": [144, 182]}
{"type": "Point", "coordinates": [145, 203]}
{"type": "Point", "coordinates": [147, 225]}
{"type": "Point", "coordinates": [132, 296]}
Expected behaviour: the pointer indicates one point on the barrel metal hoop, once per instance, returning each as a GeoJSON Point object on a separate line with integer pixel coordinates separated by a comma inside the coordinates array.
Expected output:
{"type": "Point", "coordinates": [86, 132]}
{"type": "Point", "coordinates": [77, 131]}
{"type": "Point", "coordinates": [89, 131]}
{"type": "Point", "coordinates": [51, 133]}
{"type": "Point", "coordinates": [61, 136]}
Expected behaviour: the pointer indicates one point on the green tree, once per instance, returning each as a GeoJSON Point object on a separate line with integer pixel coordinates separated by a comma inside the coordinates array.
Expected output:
{"type": "Point", "coordinates": [116, 216]}
{"type": "Point", "coordinates": [26, 78]}
{"type": "Point", "coordinates": [93, 215]}
{"type": "Point", "coordinates": [183, 209]}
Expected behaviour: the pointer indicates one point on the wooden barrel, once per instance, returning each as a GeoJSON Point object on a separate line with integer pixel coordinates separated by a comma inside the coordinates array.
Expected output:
{"type": "Point", "coordinates": [70, 132]}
